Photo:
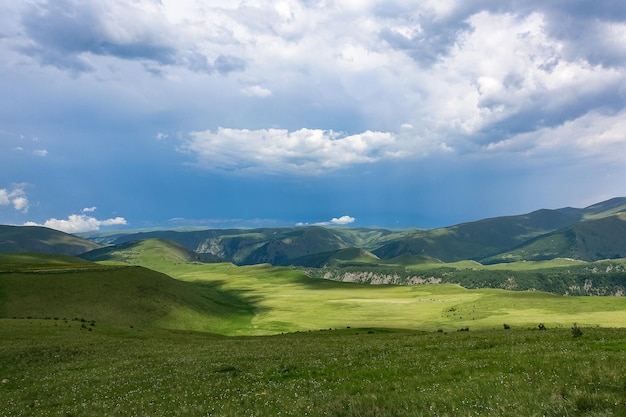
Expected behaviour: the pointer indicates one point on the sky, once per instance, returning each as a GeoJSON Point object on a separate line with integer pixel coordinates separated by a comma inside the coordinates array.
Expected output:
{"type": "Point", "coordinates": [359, 113]}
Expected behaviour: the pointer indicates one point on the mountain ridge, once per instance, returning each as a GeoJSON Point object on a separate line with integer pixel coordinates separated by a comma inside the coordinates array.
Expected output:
{"type": "Point", "coordinates": [590, 233]}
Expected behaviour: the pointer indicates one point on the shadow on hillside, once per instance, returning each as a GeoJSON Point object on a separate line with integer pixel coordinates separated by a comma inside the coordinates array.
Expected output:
{"type": "Point", "coordinates": [226, 302]}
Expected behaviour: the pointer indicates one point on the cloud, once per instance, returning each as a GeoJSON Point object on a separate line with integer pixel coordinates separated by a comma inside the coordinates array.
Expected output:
{"type": "Point", "coordinates": [342, 220]}
{"type": "Point", "coordinates": [67, 34]}
{"type": "Point", "coordinates": [488, 81]}
{"type": "Point", "coordinates": [79, 223]}
{"type": "Point", "coordinates": [15, 197]}
{"type": "Point", "coordinates": [304, 151]}
{"type": "Point", "coordinates": [89, 209]}
{"type": "Point", "coordinates": [40, 152]}
{"type": "Point", "coordinates": [585, 137]}
{"type": "Point", "coordinates": [335, 221]}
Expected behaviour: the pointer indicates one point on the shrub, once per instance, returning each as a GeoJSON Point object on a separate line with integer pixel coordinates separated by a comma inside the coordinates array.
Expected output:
{"type": "Point", "coordinates": [506, 326]}
{"type": "Point", "coordinates": [576, 332]}
{"type": "Point", "coordinates": [541, 326]}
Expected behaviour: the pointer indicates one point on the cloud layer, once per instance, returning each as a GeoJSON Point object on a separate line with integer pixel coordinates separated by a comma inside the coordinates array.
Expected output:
{"type": "Point", "coordinates": [305, 151]}
{"type": "Point", "coordinates": [324, 93]}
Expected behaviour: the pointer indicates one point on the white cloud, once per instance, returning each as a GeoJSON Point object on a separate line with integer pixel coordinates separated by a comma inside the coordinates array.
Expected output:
{"type": "Point", "coordinates": [40, 152]}
{"type": "Point", "coordinates": [89, 209]}
{"type": "Point", "coordinates": [79, 223]}
{"type": "Point", "coordinates": [587, 136]}
{"type": "Point", "coordinates": [335, 221]}
{"type": "Point", "coordinates": [20, 204]}
{"type": "Point", "coordinates": [342, 220]}
{"type": "Point", "coordinates": [305, 151]}
{"type": "Point", "coordinates": [15, 197]}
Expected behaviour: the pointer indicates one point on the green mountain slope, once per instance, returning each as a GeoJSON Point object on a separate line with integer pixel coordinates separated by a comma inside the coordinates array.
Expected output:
{"type": "Point", "coordinates": [605, 209]}
{"type": "Point", "coordinates": [485, 239]}
{"type": "Point", "coordinates": [42, 240]}
{"type": "Point", "coordinates": [116, 295]}
{"type": "Point", "coordinates": [151, 250]}
{"type": "Point", "coordinates": [338, 258]}
{"type": "Point", "coordinates": [590, 240]}
{"type": "Point", "coordinates": [476, 240]}
{"type": "Point", "coordinates": [255, 246]}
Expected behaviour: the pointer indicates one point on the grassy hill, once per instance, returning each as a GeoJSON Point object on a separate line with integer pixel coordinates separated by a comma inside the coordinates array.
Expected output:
{"type": "Point", "coordinates": [151, 251]}
{"type": "Point", "coordinates": [42, 240]}
{"type": "Point", "coordinates": [590, 240]}
{"type": "Point", "coordinates": [477, 240]}
{"type": "Point", "coordinates": [67, 288]}
{"type": "Point", "coordinates": [340, 257]}
{"type": "Point", "coordinates": [249, 247]}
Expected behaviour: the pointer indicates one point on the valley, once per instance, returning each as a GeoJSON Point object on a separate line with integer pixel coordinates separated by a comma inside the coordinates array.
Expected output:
{"type": "Point", "coordinates": [180, 323]}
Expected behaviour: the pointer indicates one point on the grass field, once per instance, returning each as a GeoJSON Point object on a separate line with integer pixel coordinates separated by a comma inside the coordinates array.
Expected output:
{"type": "Point", "coordinates": [118, 339]}
{"type": "Point", "coordinates": [51, 368]}
{"type": "Point", "coordinates": [264, 300]}
{"type": "Point", "coordinates": [285, 301]}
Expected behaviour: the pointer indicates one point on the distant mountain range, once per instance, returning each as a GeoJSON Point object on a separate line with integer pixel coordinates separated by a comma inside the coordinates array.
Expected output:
{"type": "Point", "coordinates": [592, 233]}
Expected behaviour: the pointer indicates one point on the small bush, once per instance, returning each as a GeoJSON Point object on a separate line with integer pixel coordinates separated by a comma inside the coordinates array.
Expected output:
{"type": "Point", "coordinates": [506, 326]}
{"type": "Point", "coordinates": [576, 332]}
{"type": "Point", "coordinates": [541, 326]}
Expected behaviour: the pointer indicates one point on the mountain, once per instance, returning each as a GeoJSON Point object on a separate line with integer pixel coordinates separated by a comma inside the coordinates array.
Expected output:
{"type": "Point", "coordinates": [479, 239]}
{"type": "Point", "coordinates": [340, 257]}
{"type": "Point", "coordinates": [489, 240]}
{"type": "Point", "coordinates": [248, 247]}
{"type": "Point", "coordinates": [590, 240]}
{"type": "Point", "coordinates": [590, 233]}
{"type": "Point", "coordinates": [42, 240]}
{"type": "Point", "coordinates": [150, 251]}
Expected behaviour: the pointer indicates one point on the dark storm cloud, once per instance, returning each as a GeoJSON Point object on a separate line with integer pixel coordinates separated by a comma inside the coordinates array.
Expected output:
{"type": "Point", "coordinates": [63, 30]}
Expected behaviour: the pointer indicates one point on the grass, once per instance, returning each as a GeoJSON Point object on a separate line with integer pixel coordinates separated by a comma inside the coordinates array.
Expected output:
{"type": "Point", "coordinates": [149, 345]}
{"type": "Point", "coordinates": [51, 369]}
{"type": "Point", "coordinates": [265, 300]}
{"type": "Point", "coordinates": [118, 295]}
{"type": "Point", "coordinates": [286, 301]}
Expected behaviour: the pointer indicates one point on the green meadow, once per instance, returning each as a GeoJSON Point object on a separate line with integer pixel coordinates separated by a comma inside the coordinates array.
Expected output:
{"type": "Point", "coordinates": [149, 332]}
{"type": "Point", "coordinates": [272, 300]}
{"type": "Point", "coordinates": [53, 368]}
{"type": "Point", "coordinates": [285, 301]}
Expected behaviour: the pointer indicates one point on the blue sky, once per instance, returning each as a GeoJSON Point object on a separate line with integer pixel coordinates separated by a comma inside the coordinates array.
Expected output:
{"type": "Point", "coordinates": [134, 114]}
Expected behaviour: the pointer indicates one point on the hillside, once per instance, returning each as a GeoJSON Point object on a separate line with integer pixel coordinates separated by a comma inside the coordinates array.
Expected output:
{"type": "Point", "coordinates": [340, 257]}
{"type": "Point", "coordinates": [487, 239]}
{"type": "Point", "coordinates": [42, 240]}
{"type": "Point", "coordinates": [255, 246]}
{"type": "Point", "coordinates": [115, 295]}
{"type": "Point", "coordinates": [479, 239]}
{"type": "Point", "coordinates": [150, 250]}
{"type": "Point", "coordinates": [590, 240]}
